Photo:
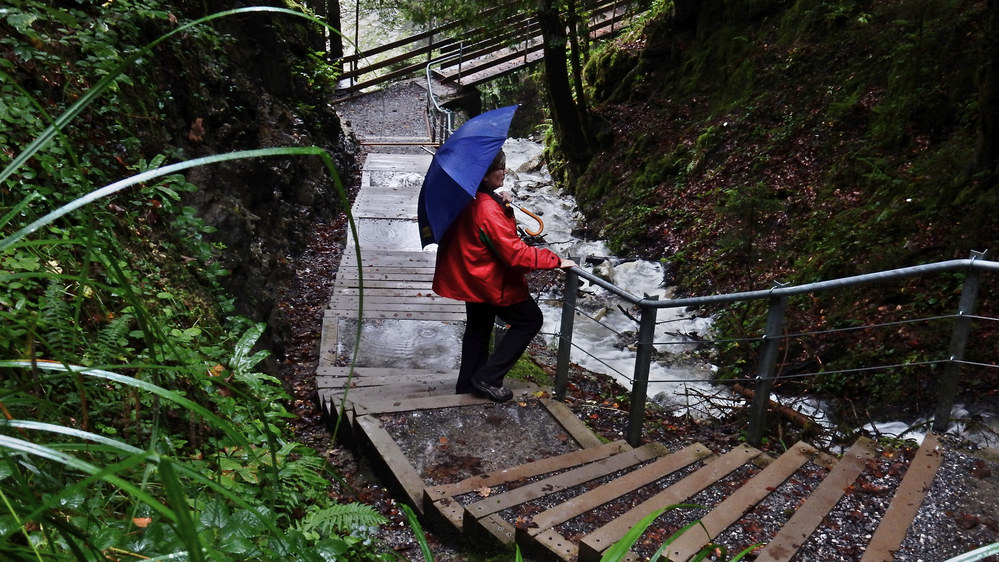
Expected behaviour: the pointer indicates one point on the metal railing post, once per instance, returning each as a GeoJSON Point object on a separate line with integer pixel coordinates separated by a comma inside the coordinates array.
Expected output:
{"type": "Point", "coordinates": [767, 369]}
{"type": "Point", "coordinates": [565, 333]}
{"type": "Point", "coordinates": [958, 342]}
{"type": "Point", "coordinates": [640, 385]}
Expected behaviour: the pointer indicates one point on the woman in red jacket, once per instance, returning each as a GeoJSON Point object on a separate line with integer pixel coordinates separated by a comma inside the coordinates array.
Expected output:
{"type": "Point", "coordinates": [481, 260]}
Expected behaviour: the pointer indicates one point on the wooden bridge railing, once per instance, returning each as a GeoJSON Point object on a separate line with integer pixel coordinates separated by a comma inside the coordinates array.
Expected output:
{"type": "Point", "coordinates": [416, 51]}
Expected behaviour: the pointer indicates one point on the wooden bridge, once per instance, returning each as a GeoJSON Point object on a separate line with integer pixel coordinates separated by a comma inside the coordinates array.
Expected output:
{"type": "Point", "coordinates": [478, 55]}
{"type": "Point", "coordinates": [529, 471]}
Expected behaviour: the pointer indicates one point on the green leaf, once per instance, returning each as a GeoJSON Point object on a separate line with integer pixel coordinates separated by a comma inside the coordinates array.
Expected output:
{"type": "Point", "coordinates": [215, 514]}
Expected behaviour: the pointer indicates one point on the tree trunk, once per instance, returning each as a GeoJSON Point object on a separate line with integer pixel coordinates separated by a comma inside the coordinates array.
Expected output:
{"type": "Point", "coordinates": [577, 29]}
{"type": "Point", "coordinates": [987, 153]}
{"type": "Point", "coordinates": [567, 121]}
{"type": "Point", "coordinates": [325, 40]}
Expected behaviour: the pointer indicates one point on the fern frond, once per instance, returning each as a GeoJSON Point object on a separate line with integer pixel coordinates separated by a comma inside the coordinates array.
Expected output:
{"type": "Point", "coordinates": [342, 518]}
{"type": "Point", "coordinates": [110, 341]}
{"type": "Point", "coordinates": [56, 327]}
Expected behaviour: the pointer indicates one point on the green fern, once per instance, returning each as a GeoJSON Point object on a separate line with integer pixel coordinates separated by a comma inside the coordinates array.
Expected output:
{"type": "Point", "coordinates": [110, 342]}
{"type": "Point", "coordinates": [342, 518]}
{"type": "Point", "coordinates": [56, 327]}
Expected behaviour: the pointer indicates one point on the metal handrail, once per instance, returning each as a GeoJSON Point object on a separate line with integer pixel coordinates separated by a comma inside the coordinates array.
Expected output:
{"type": "Point", "coordinates": [434, 110]}
{"type": "Point", "coordinates": [816, 287]}
{"type": "Point", "coordinates": [777, 296]}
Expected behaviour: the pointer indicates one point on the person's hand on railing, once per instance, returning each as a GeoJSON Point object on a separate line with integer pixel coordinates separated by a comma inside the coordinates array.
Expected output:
{"type": "Point", "coordinates": [567, 264]}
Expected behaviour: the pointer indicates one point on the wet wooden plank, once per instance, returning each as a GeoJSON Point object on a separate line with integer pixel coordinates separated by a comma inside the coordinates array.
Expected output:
{"type": "Point", "coordinates": [398, 140]}
{"type": "Point", "coordinates": [388, 266]}
{"type": "Point", "coordinates": [898, 518]}
{"type": "Point", "coordinates": [736, 505]}
{"type": "Point", "coordinates": [415, 301]}
{"type": "Point", "coordinates": [592, 545]}
{"type": "Point", "coordinates": [336, 377]}
{"type": "Point", "coordinates": [618, 487]}
{"type": "Point", "coordinates": [393, 291]}
{"type": "Point", "coordinates": [399, 391]}
{"type": "Point", "coordinates": [398, 466]}
{"type": "Point", "coordinates": [385, 274]}
{"type": "Point", "coordinates": [556, 544]}
{"type": "Point", "coordinates": [808, 517]}
{"type": "Point", "coordinates": [390, 256]}
{"type": "Point", "coordinates": [442, 316]}
{"type": "Point", "coordinates": [328, 338]}
{"type": "Point", "coordinates": [527, 470]}
{"type": "Point", "coordinates": [396, 162]}
{"type": "Point", "coordinates": [402, 309]}
{"type": "Point", "coordinates": [439, 500]}
{"type": "Point", "coordinates": [491, 527]}
{"type": "Point", "coordinates": [391, 405]}
{"type": "Point", "coordinates": [563, 481]}
{"type": "Point", "coordinates": [482, 519]}
{"type": "Point", "coordinates": [403, 196]}
{"type": "Point", "coordinates": [572, 424]}
{"type": "Point", "coordinates": [348, 285]}
{"type": "Point", "coordinates": [373, 210]}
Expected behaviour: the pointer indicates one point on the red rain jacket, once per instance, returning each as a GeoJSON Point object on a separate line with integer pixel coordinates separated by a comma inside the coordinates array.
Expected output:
{"type": "Point", "coordinates": [482, 259]}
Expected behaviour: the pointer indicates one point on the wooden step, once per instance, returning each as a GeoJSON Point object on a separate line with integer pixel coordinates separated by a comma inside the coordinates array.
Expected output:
{"type": "Point", "coordinates": [539, 532]}
{"type": "Point", "coordinates": [592, 546]}
{"type": "Point", "coordinates": [439, 500]}
{"type": "Point", "coordinates": [741, 501]}
{"type": "Point", "coordinates": [905, 504]}
{"type": "Point", "coordinates": [481, 522]}
{"type": "Point", "coordinates": [808, 517]}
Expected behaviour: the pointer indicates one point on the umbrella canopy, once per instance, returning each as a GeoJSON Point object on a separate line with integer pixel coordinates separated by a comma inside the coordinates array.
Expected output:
{"type": "Point", "coordinates": [457, 169]}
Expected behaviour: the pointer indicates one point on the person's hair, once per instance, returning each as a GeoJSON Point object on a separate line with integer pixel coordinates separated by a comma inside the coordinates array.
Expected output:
{"type": "Point", "coordinates": [499, 162]}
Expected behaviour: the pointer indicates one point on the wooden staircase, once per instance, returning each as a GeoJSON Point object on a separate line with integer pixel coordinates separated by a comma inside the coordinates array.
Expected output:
{"type": "Point", "coordinates": [576, 498]}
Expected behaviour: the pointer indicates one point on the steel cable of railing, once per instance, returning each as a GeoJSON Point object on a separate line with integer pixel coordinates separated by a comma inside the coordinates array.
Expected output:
{"type": "Point", "coordinates": [558, 337]}
{"type": "Point", "coordinates": [975, 363]}
{"type": "Point", "coordinates": [809, 375]}
{"type": "Point", "coordinates": [596, 321]}
{"type": "Point", "coordinates": [610, 367]}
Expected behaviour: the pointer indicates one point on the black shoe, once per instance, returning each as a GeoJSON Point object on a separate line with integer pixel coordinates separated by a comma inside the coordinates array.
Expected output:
{"type": "Point", "coordinates": [497, 393]}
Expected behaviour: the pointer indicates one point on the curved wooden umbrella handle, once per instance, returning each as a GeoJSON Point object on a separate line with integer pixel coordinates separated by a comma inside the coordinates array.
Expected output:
{"type": "Point", "coordinates": [541, 223]}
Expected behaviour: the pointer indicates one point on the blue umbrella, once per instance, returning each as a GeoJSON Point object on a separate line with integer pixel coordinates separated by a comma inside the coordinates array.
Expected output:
{"type": "Point", "coordinates": [457, 169]}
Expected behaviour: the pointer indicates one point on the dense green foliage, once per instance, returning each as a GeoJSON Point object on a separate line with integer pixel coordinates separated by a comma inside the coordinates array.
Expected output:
{"type": "Point", "coordinates": [801, 141]}
{"type": "Point", "coordinates": [135, 420]}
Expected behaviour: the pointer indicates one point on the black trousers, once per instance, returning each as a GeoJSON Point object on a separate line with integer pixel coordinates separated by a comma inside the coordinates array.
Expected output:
{"type": "Point", "coordinates": [525, 320]}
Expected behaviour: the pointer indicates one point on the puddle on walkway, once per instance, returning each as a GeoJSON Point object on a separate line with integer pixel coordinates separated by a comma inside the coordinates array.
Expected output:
{"type": "Point", "coordinates": [403, 181]}
{"type": "Point", "coordinates": [401, 344]}
{"type": "Point", "coordinates": [449, 445]}
{"type": "Point", "coordinates": [386, 234]}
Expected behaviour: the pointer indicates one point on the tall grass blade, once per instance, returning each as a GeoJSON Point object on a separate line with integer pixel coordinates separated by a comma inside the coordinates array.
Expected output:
{"type": "Point", "coordinates": [421, 539]}
{"type": "Point", "coordinates": [185, 525]}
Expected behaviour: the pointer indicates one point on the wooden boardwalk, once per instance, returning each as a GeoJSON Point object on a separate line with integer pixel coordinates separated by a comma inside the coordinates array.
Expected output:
{"type": "Point", "coordinates": [528, 471]}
